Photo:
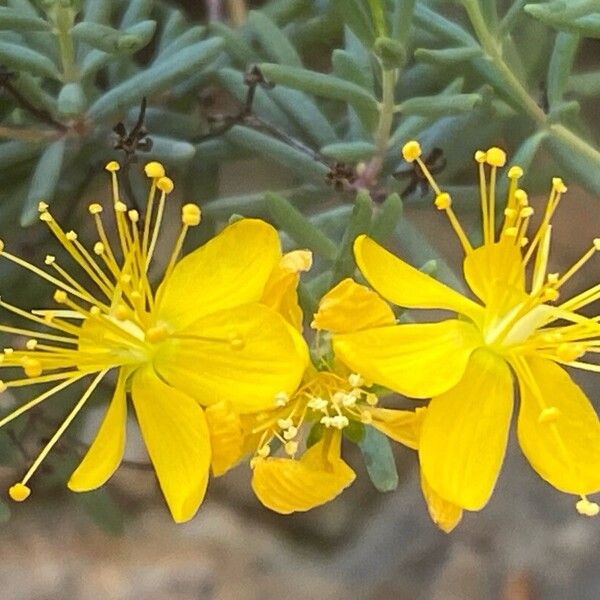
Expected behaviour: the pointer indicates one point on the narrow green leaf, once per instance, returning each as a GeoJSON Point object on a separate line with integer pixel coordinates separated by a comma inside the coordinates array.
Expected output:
{"type": "Point", "coordinates": [585, 84]}
{"type": "Point", "coordinates": [153, 80]}
{"type": "Point", "coordinates": [386, 219]}
{"type": "Point", "coordinates": [581, 17]}
{"type": "Point", "coordinates": [440, 106]}
{"type": "Point", "coordinates": [353, 13]}
{"type": "Point", "coordinates": [235, 44]}
{"type": "Point", "coordinates": [44, 180]}
{"type": "Point", "coordinates": [327, 86]}
{"type": "Point", "coordinates": [345, 66]}
{"type": "Point", "coordinates": [561, 64]}
{"type": "Point", "coordinates": [15, 152]}
{"type": "Point", "coordinates": [175, 25]}
{"type": "Point", "coordinates": [71, 100]}
{"type": "Point", "coordinates": [113, 41]}
{"type": "Point", "coordinates": [447, 56]}
{"type": "Point", "coordinates": [402, 19]}
{"type": "Point", "coordinates": [379, 460]}
{"type": "Point", "coordinates": [191, 36]}
{"type": "Point", "coordinates": [170, 151]}
{"type": "Point", "coordinates": [137, 10]}
{"type": "Point", "coordinates": [298, 227]}
{"type": "Point", "coordinates": [22, 58]}
{"type": "Point", "coordinates": [349, 151]}
{"type": "Point", "coordinates": [301, 110]}
{"type": "Point", "coordinates": [273, 41]}
{"type": "Point", "coordinates": [13, 20]}
{"type": "Point", "coordinates": [31, 88]}
{"type": "Point", "coordinates": [360, 222]}
{"type": "Point", "coordinates": [279, 152]}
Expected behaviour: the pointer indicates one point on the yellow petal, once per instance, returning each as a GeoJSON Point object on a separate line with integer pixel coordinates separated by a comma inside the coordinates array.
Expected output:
{"type": "Point", "coordinates": [286, 485]}
{"type": "Point", "coordinates": [418, 359]}
{"type": "Point", "coordinates": [402, 426]}
{"type": "Point", "coordinates": [496, 275]}
{"type": "Point", "coordinates": [177, 438]}
{"type": "Point", "coordinates": [443, 513]}
{"type": "Point", "coordinates": [281, 290]}
{"type": "Point", "coordinates": [244, 355]}
{"type": "Point", "coordinates": [558, 428]}
{"type": "Point", "coordinates": [229, 270]}
{"type": "Point", "coordinates": [465, 431]}
{"type": "Point", "coordinates": [352, 307]}
{"type": "Point", "coordinates": [404, 285]}
{"type": "Point", "coordinates": [226, 437]}
{"type": "Point", "coordinates": [106, 451]}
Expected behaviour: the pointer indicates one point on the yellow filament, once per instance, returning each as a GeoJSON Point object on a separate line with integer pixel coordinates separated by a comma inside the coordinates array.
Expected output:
{"type": "Point", "coordinates": [485, 217]}
{"type": "Point", "coordinates": [25, 407]}
{"type": "Point", "coordinates": [42, 455]}
{"type": "Point", "coordinates": [54, 324]}
{"type": "Point", "coordinates": [149, 211]}
{"type": "Point", "coordinates": [429, 176]}
{"type": "Point", "coordinates": [104, 237]}
{"type": "Point", "coordinates": [157, 224]}
{"type": "Point", "coordinates": [577, 266]}
{"type": "Point", "coordinates": [491, 233]}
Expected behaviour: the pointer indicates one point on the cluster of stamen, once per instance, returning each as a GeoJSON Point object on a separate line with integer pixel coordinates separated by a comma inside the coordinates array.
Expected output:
{"type": "Point", "coordinates": [328, 400]}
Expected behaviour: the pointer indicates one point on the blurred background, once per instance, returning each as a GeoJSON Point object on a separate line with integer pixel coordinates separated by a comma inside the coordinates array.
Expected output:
{"type": "Point", "coordinates": [120, 543]}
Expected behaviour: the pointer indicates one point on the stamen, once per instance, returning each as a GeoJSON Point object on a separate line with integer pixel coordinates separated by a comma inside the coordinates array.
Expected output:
{"type": "Point", "coordinates": [165, 185]}
{"type": "Point", "coordinates": [587, 508]}
{"type": "Point", "coordinates": [595, 248]}
{"type": "Point", "coordinates": [63, 427]}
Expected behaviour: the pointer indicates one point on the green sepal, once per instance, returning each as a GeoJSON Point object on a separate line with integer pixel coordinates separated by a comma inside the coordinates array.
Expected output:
{"type": "Point", "coordinates": [379, 460]}
{"type": "Point", "coordinates": [354, 432]}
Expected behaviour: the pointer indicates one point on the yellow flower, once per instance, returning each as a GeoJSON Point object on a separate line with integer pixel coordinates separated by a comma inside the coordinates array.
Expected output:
{"type": "Point", "coordinates": [466, 364]}
{"type": "Point", "coordinates": [201, 336]}
{"type": "Point", "coordinates": [332, 399]}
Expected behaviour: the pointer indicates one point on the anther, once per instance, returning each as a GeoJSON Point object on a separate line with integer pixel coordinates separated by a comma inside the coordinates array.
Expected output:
{"type": "Point", "coordinates": [284, 423]}
{"type": "Point", "coordinates": [264, 451]}
{"type": "Point", "coordinates": [570, 352]}
{"type": "Point", "coordinates": [480, 156]}
{"type": "Point", "coordinates": [339, 421]}
{"type": "Point", "coordinates": [95, 311]}
{"type": "Point", "coordinates": [281, 399]}
{"type": "Point", "coordinates": [553, 278]}
{"type": "Point", "coordinates": [236, 341]}
{"type": "Point", "coordinates": [190, 215]}
{"type": "Point", "coordinates": [46, 217]}
{"type": "Point", "coordinates": [1, 246]}
{"type": "Point", "coordinates": [31, 344]}
{"type": "Point", "coordinates": [154, 170]}
{"type": "Point", "coordinates": [291, 448]}
{"type": "Point", "coordinates": [355, 380]}
{"type": "Point", "coordinates": [596, 243]}
{"type": "Point", "coordinates": [8, 351]}
{"type": "Point", "coordinates": [95, 208]}
{"type": "Point", "coordinates": [372, 399]}
{"type": "Point", "coordinates": [120, 207]}
{"type": "Point", "coordinates": [50, 259]}
{"type": "Point", "coordinates": [112, 166]}
{"type": "Point", "coordinates": [121, 312]}
{"type": "Point", "coordinates": [3, 386]}
{"type": "Point", "coordinates": [496, 157]}
{"type": "Point", "coordinates": [550, 294]}
{"type": "Point", "coordinates": [411, 151]}
{"type": "Point", "coordinates": [366, 417]}
{"type": "Point", "coordinates": [32, 367]}
{"type": "Point", "coordinates": [317, 403]}
{"type": "Point", "coordinates": [42, 206]}
{"type": "Point", "coordinates": [521, 197]}
{"type": "Point", "coordinates": [515, 172]}
{"type": "Point", "coordinates": [71, 235]}
{"type": "Point", "coordinates": [443, 201]}
{"type": "Point", "coordinates": [60, 296]}
{"type": "Point", "coordinates": [525, 212]}
{"type": "Point", "coordinates": [99, 248]}
{"type": "Point", "coordinates": [510, 213]}
{"type": "Point", "coordinates": [549, 415]}
{"type": "Point", "coordinates": [290, 433]}
{"type": "Point", "coordinates": [587, 508]}
{"type": "Point", "coordinates": [349, 400]}
{"type": "Point", "coordinates": [165, 184]}
{"type": "Point", "coordinates": [134, 216]}
{"type": "Point", "coordinates": [157, 334]}
{"type": "Point", "coordinates": [19, 492]}
{"type": "Point", "coordinates": [559, 185]}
